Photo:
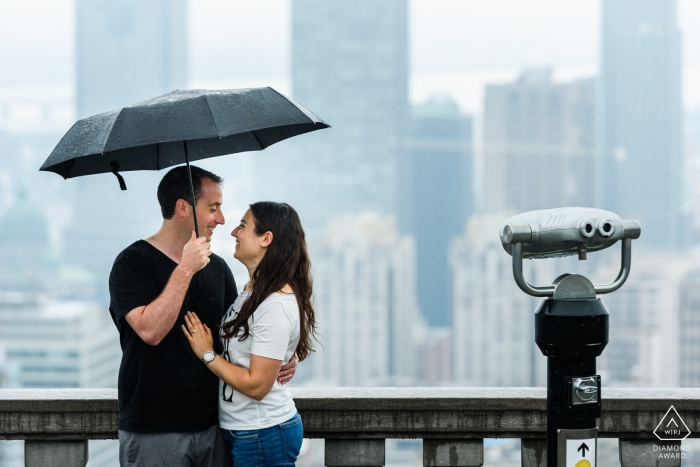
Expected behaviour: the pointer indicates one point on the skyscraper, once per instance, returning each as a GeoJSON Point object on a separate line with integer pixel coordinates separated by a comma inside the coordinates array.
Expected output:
{"type": "Point", "coordinates": [127, 51]}
{"type": "Point", "coordinates": [364, 276]}
{"type": "Point", "coordinates": [349, 66]}
{"type": "Point", "coordinates": [24, 253]}
{"type": "Point", "coordinates": [436, 197]}
{"type": "Point", "coordinates": [640, 128]}
{"type": "Point", "coordinates": [539, 143]}
{"type": "Point", "coordinates": [689, 325]}
{"type": "Point", "coordinates": [493, 321]}
{"type": "Point", "coordinates": [647, 325]}
{"type": "Point", "coordinates": [58, 344]}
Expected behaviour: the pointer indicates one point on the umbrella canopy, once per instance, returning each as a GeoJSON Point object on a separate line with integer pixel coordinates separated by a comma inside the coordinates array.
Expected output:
{"type": "Point", "coordinates": [149, 135]}
{"type": "Point", "coordinates": [177, 128]}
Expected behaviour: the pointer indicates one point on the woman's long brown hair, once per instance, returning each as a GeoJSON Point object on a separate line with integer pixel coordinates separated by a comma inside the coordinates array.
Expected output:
{"type": "Point", "coordinates": [286, 261]}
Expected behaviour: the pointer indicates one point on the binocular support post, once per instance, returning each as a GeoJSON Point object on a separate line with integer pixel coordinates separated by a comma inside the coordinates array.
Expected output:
{"type": "Point", "coordinates": [571, 324]}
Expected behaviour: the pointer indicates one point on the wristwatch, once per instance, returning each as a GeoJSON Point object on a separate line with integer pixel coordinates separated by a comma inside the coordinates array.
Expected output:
{"type": "Point", "coordinates": [208, 356]}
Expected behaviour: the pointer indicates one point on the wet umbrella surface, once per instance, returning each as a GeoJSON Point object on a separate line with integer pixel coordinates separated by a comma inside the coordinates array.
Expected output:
{"type": "Point", "coordinates": [177, 128]}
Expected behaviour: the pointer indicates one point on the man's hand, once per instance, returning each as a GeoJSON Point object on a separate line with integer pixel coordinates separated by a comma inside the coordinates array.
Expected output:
{"type": "Point", "coordinates": [155, 320]}
{"type": "Point", "coordinates": [195, 254]}
{"type": "Point", "coordinates": [287, 372]}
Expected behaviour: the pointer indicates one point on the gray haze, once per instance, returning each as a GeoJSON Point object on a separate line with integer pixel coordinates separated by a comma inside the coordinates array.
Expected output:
{"type": "Point", "coordinates": [447, 117]}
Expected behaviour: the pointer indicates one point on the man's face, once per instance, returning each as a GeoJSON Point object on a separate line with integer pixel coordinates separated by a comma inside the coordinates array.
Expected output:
{"type": "Point", "coordinates": [209, 213]}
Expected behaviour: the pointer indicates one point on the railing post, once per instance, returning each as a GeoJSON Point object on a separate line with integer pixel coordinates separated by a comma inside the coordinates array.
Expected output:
{"type": "Point", "coordinates": [533, 452]}
{"type": "Point", "coordinates": [453, 452]}
{"type": "Point", "coordinates": [355, 452]}
{"type": "Point", "coordinates": [55, 453]}
{"type": "Point", "coordinates": [650, 453]}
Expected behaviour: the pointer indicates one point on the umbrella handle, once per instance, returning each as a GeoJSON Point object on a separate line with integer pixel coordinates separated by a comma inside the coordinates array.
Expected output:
{"type": "Point", "coordinates": [114, 165]}
{"type": "Point", "coordinates": [194, 201]}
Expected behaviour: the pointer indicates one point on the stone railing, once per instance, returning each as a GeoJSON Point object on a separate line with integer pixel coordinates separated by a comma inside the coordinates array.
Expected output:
{"type": "Point", "coordinates": [355, 422]}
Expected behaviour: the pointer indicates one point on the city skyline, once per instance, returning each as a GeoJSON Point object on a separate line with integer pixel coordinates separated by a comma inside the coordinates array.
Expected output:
{"type": "Point", "coordinates": [370, 141]}
{"type": "Point", "coordinates": [563, 35]}
{"type": "Point", "coordinates": [446, 118]}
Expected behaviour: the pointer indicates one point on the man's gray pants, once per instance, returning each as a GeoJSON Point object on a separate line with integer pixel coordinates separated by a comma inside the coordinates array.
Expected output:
{"type": "Point", "coordinates": [194, 449]}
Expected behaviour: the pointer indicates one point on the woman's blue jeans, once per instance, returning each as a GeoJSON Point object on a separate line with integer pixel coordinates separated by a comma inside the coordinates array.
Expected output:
{"type": "Point", "coordinates": [275, 446]}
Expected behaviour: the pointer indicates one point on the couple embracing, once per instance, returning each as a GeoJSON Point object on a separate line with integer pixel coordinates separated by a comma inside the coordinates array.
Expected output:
{"type": "Point", "coordinates": [201, 381]}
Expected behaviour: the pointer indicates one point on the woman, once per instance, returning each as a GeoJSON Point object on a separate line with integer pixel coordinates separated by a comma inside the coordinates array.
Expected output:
{"type": "Point", "coordinates": [271, 320]}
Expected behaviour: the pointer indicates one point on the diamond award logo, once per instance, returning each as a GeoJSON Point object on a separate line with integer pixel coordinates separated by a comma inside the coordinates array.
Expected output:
{"type": "Point", "coordinates": [671, 427]}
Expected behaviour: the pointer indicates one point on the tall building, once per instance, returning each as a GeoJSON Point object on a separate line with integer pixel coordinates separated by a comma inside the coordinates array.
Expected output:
{"type": "Point", "coordinates": [493, 320]}
{"type": "Point", "coordinates": [436, 196]}
{"type": "Point", "coordinates": [689, 324]}
{"type": "Point", "coordinates": [126, 51]}
{"type": "Point", "coordinates": [539, 143]}
{"type": "Point", "coordinates": [692, 158]}
{"type": "Point", "coordinates": [57, 344]}
{"type": "Point", "coordinates": [646, 334]}
{"type": "Point", "coordinates": [364, 295]}
{"type": "Point", "coordinates": [350, 67]}
{"type": "Point", "coordinates": [641, 126]}
{"type": "Point", "coordinates": [24, 251]}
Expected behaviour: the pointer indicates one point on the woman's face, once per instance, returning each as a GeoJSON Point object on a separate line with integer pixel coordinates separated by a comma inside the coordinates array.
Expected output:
{"type": "Point", "coordinates": [250, 248]}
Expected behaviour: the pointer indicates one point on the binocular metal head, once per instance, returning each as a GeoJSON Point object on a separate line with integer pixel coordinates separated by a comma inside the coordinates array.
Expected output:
{"type": "Point", "coordinates": [558, 232]}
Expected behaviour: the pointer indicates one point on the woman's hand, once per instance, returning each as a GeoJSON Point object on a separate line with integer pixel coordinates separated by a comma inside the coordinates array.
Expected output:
{"type": "Point", "coordinates": [197, 334]}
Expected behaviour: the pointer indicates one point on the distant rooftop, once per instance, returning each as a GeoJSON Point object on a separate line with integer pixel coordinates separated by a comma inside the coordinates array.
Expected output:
{"type": "Point", "coordinates": [436, 107]}
{"type": "Point", "coordinates": [536, 76]}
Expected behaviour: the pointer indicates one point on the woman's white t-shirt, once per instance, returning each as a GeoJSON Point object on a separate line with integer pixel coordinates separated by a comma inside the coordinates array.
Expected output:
{"type": "Point", "coordinates": [274, 333]}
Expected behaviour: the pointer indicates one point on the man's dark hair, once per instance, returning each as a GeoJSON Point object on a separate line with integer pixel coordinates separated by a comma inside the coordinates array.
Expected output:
{"type": "Point", "coordinates": [176, 185]}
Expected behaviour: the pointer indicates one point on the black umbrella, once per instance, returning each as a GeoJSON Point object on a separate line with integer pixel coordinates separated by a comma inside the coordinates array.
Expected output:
{"type": "Point", "coordinates": [178, 127]}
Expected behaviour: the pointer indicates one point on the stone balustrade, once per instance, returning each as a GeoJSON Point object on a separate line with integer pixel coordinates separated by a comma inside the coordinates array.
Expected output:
{"type": "Point", "coordinates": [56, 423]}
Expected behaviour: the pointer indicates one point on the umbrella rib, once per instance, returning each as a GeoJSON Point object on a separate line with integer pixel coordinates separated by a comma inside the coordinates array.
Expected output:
{"type": "Point", "coordinates": [70, 169]}
{"type": "Point", "coordinates": [116, 117]}
{"type": "Point", "coordinates": [213, 119]}
{"type": "Point", "coordinates": [256, 139]}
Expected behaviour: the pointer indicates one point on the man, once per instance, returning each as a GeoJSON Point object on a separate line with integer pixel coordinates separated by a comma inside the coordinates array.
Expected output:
{"type": "Point", "coordinates": [168, 404]}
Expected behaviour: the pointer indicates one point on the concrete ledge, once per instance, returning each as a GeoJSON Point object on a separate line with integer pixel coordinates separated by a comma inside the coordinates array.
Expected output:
{"type": "Point", "coordinates": [58, 414]}
{"type": "Point", "coordinates": [369, 413]}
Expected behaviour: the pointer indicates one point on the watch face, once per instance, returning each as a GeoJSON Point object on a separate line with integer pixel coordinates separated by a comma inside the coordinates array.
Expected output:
{"type": "Point", "coordinates": [208, 356]}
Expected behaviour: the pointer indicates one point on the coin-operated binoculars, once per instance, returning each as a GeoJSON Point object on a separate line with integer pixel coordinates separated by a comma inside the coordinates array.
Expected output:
{"type": "Point", "coordinates": [571, 324]}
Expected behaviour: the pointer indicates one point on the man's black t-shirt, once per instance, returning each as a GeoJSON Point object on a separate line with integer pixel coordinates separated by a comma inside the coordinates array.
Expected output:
{"type": "Point", "coordinates": [166, 388]}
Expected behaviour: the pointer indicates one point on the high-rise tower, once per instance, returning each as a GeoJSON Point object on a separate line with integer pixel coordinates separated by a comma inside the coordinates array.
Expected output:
{"type": "Point", "coordinates": [126, 51]}
{"type": "Point", "coordinates": [640, 128]}
{"type": "Point", "coordinates": [350, 66]}
{"type": "Point", "coordinates": [539, 143]}
{"type": "Point", "coordinates": [436, 197]}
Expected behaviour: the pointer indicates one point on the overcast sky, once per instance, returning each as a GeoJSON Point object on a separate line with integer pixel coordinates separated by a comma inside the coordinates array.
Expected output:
{"type": "Point", "coordinates": [456, 45]}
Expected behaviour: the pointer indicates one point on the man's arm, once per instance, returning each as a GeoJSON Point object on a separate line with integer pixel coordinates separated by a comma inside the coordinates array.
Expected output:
{"type": "Point", "coordinates": [287, 371]}
{"type": "Point", "coordinates": [155, 320]}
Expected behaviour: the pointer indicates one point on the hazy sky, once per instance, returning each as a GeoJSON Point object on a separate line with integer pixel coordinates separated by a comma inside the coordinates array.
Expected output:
{"type": "Point", "coordinates": [456, 45]}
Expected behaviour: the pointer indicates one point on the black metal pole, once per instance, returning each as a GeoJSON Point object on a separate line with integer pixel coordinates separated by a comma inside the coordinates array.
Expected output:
{"type": "Point", "coordinates": [194, 201]}
{"type": "Point", "coordinates": [571, 334]}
